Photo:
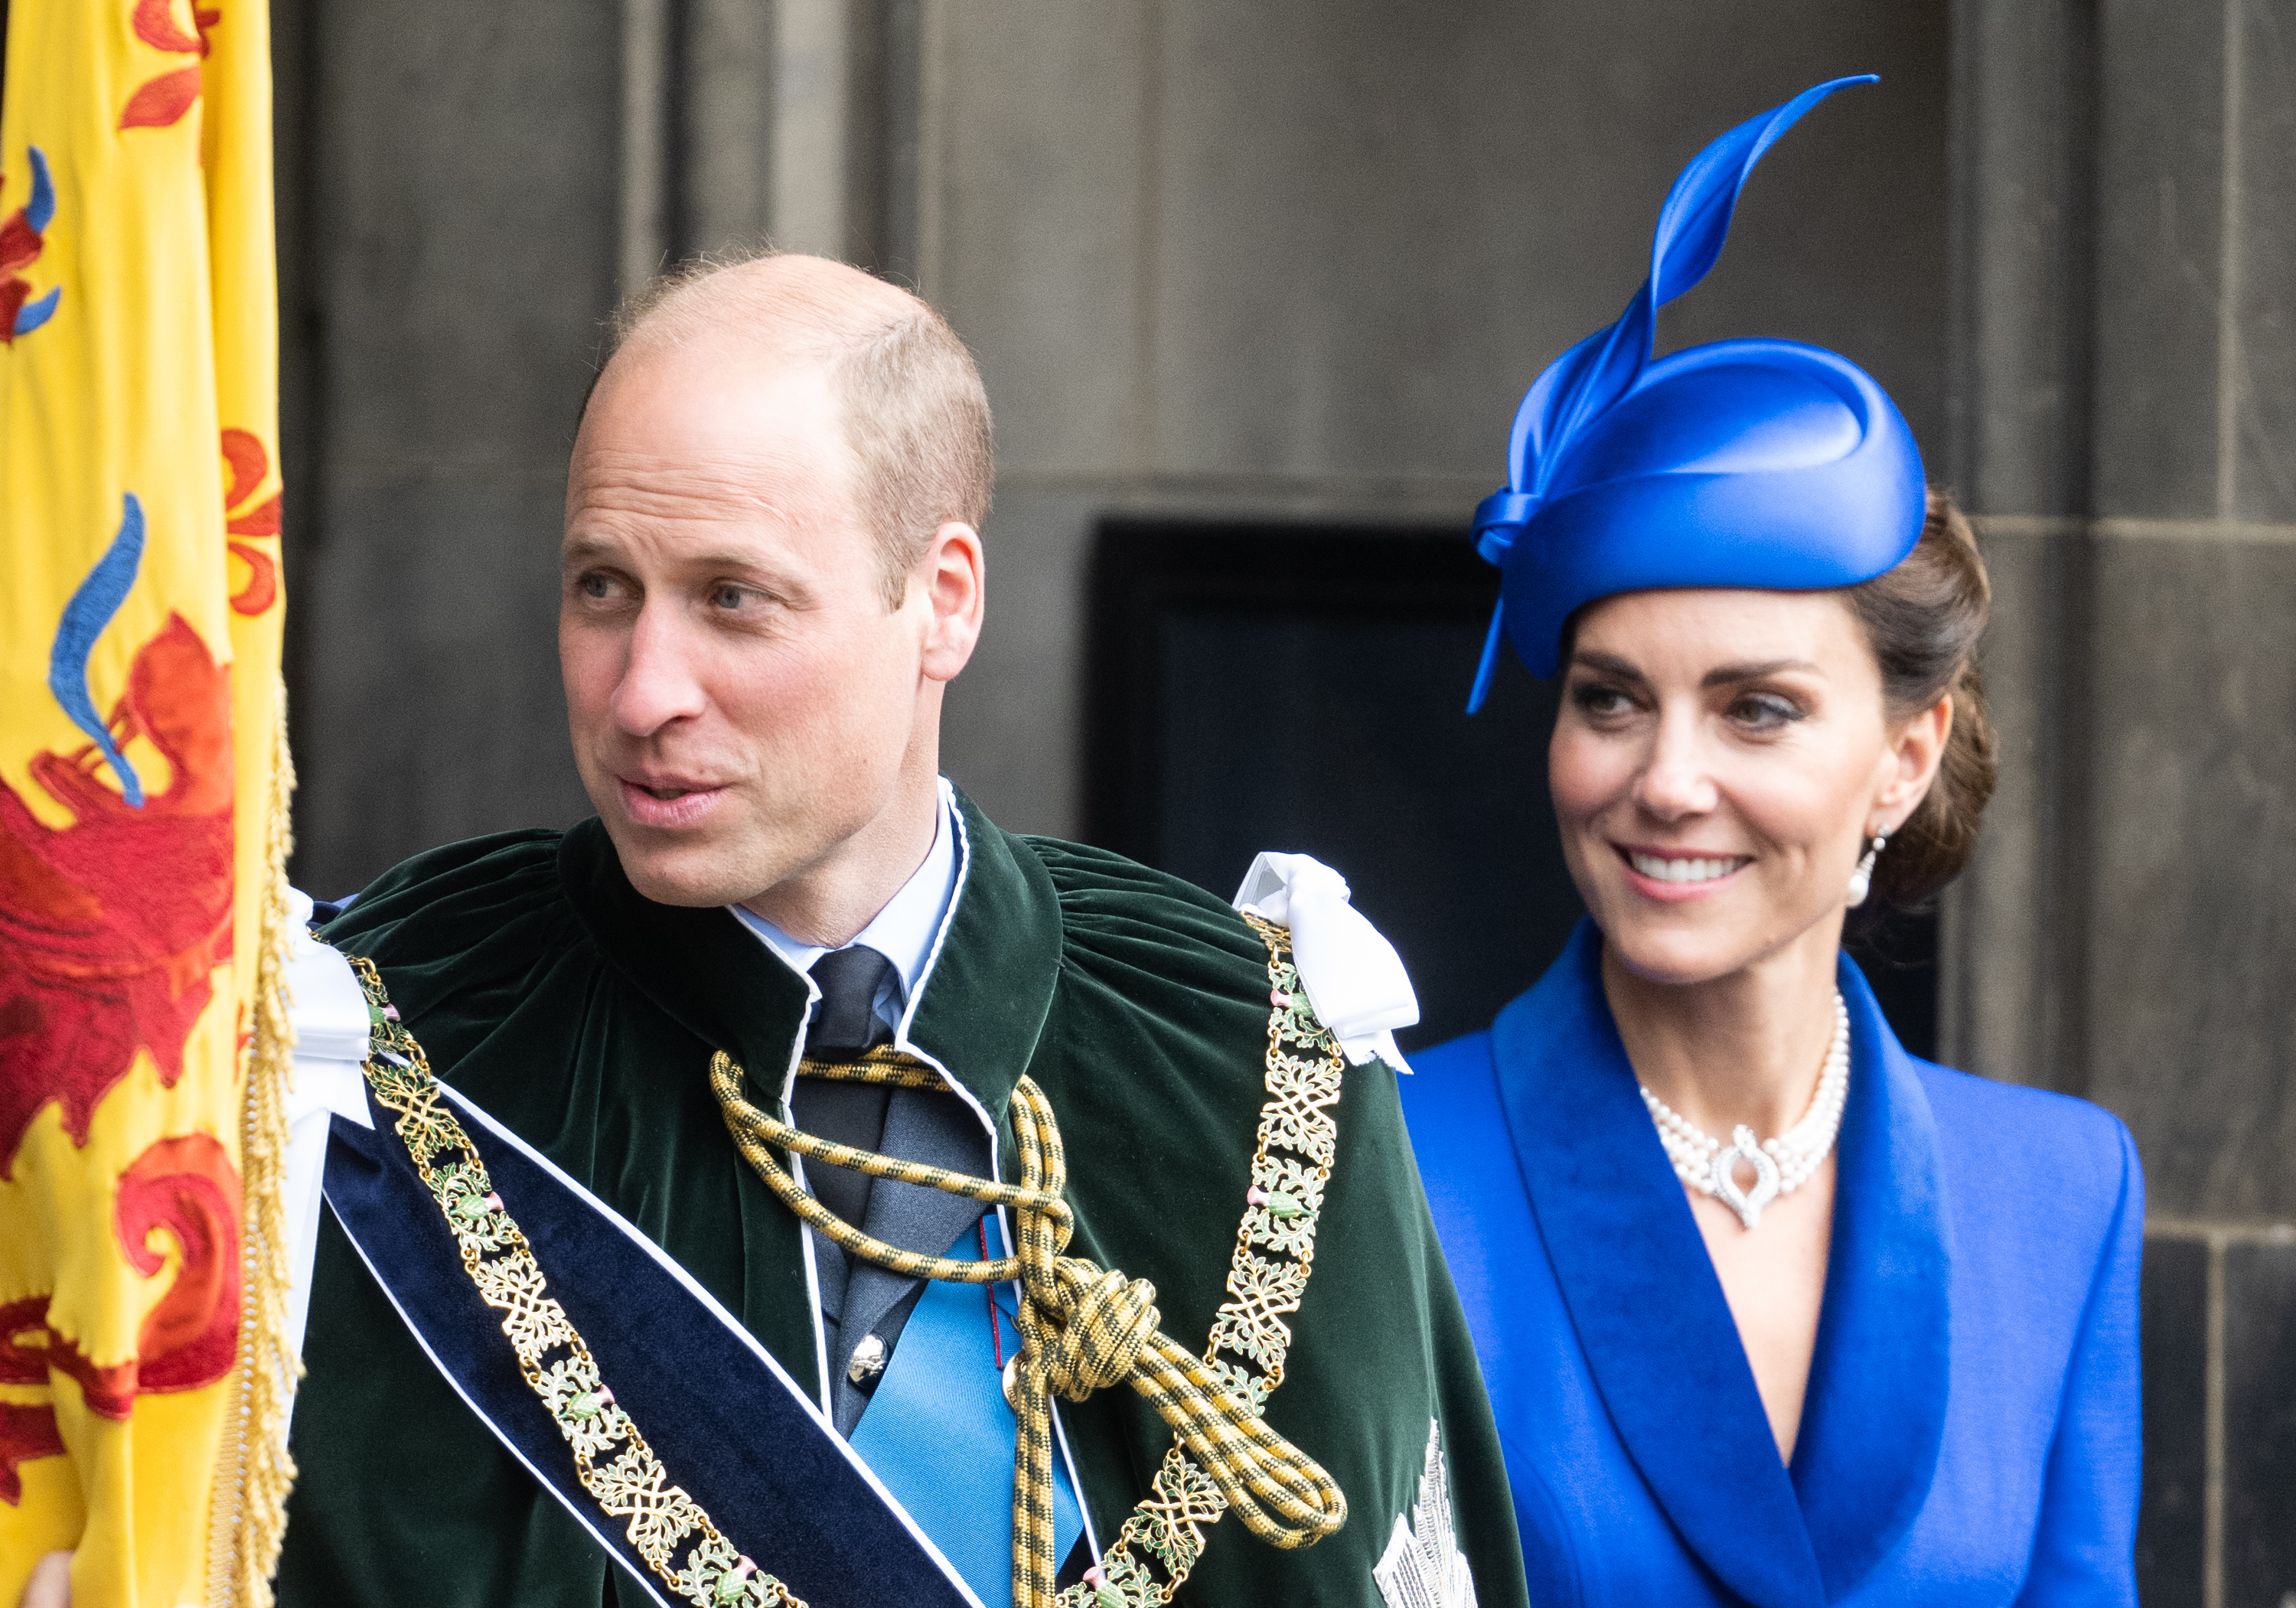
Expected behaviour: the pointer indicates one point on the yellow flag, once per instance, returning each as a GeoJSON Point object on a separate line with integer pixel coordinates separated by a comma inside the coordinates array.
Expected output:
{"type": "Point", "coordinates": [143, 788]}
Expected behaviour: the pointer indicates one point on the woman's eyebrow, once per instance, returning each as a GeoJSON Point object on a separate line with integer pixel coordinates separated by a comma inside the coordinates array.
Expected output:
{"type": "Point", "coordinates": [1608, 664]}
{"type": "Point", "coordinates": [1726, 674]}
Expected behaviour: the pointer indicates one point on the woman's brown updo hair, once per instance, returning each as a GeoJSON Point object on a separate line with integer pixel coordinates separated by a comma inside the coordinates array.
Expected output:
{"type": "Point", "coordinates": [1923, 620]}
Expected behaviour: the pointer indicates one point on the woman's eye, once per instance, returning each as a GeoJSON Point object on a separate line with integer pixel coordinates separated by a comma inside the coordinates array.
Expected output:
{"type": "Point", "coordinates": [1764, 711]}
{"type": "Point", "coordinates": [1598, 702]}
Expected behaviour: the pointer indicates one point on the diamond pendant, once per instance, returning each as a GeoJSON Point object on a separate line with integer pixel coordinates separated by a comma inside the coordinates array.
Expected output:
{"type": "Point", "coordinates": [1747, 1204]}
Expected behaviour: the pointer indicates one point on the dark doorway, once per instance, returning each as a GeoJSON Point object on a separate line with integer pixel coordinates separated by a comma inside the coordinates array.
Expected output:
{"type": "Point", "coordinates": [1304, 688]}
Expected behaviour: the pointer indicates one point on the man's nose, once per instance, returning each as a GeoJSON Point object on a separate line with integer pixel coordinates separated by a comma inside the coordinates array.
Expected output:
{"type": "Point", "coordinates": [659, 684]}
{"type": "Point", "coordinates": [1676, 781]}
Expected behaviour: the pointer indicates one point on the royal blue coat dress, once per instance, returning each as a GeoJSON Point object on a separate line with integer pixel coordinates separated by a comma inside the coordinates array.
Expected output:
{"type": "Point", "coordinates": [1970, 1435]}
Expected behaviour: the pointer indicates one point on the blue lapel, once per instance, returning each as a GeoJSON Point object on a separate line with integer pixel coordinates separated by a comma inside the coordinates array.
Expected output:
{"type": "Point", "coordinates": [1875, 1416]}
{"type": "Point", "coordinates": [1656, 1331]}
{"type": "Point", "coordinates": [1642, 1292]}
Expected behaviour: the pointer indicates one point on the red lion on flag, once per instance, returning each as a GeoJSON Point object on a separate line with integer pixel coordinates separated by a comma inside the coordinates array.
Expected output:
{"type": "Point", "coordinates": [111, 926]}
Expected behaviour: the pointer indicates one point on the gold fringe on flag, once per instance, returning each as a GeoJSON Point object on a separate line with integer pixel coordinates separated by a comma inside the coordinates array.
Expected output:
{"type": "Point", "coordinates": [253, 1469]}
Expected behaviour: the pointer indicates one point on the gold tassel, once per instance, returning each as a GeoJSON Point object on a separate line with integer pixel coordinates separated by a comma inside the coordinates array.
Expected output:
{"type": "Point", "coordinates": [253, 1469]}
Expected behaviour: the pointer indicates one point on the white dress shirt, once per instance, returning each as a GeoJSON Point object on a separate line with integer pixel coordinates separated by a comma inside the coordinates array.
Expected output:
{"type": "Point", "coordinates": [903, 931]}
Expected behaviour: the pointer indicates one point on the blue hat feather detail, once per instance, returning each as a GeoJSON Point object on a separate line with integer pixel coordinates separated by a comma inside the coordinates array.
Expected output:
{"type": "Point", "coordinates": [1764, 464]}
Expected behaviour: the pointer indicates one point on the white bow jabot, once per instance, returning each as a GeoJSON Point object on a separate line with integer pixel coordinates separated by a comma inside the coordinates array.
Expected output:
{"type": "Point", "coordinates": [328, 1011]}
{"type": "Point", "coordinates": [1353, 976]}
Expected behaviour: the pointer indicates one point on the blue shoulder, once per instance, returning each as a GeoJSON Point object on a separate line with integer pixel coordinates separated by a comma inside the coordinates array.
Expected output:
{"type": "Point", "coordinates": [2068, 1158]}
{"type": "Point", "coordinates": [1448, 1081]}
{"type": "Point", "coordinates": [2020, 1114]}
{"type": "Point", "coordinates": [1467, 1052]}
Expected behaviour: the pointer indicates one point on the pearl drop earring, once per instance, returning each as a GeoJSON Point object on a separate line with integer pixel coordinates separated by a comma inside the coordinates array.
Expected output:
{"type": "Point", "coordinates": [1861, 881]}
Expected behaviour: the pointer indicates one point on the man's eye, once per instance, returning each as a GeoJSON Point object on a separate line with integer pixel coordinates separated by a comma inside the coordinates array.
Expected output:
{"type": "Point", "coordinates": [730, 597]}
{"type": "Point", "coordinates": [594, 586]}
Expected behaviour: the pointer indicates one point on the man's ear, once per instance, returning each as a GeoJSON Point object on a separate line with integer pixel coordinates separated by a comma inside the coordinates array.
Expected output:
{"type": "Point", "coordinates": [1914, 756]}
{"type": "Point", "coordinates": [953, 576]}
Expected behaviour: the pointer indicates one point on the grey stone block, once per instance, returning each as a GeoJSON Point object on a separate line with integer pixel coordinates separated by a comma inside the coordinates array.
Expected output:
{"type": "Point", "coordinates": [1034, 236]}
{"type": "Point", "coordinates": [2003, 1005]}
{"type": "Point", "coordinates": [2193, 803]}
{"type": "Point", "coordinates": [433, 710]}
{"type": "Point", "coordinates": [1309, 240]}
{"type": "Point", "coordinates": [1358, 269]}
{"type": "Point", "coordinates": [2024, 162]}
{"type": "Point", "coordinates": [2263, 400]}
{"type": "Point", "coordinates": [2159, 258]}
{"type": "Point", "coordinates": [458, 258]}
{"type": "Point", "coordinates": [1010, 723]}
{"type": "Point", "coordinates": [2260, 1473]}
{"type": "Point", "coordinates": [725, 116]}
{"type": "Point", "coordinates": [465, 220]}
{"type": "Point", "coordinates": [1374, 227]}
{"type": "Point", "coordinates": [2176, 1331]}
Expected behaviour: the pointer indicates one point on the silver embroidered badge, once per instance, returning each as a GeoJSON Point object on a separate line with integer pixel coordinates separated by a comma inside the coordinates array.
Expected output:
{"type": "Point", "coordinates": [1422, 1566]}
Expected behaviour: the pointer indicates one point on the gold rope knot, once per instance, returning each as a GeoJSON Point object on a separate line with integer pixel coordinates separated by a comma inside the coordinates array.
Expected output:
{"type": "Point", "coordinates": [1104, 1320]}
{"type": "Point", "coordinates": [1083, 1328]}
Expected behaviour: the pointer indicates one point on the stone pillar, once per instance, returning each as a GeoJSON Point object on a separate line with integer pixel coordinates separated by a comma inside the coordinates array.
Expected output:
{"type": "Point", "coordinates": [2124, 427]}
{"type": "Point", "coordinates": [750, 123]}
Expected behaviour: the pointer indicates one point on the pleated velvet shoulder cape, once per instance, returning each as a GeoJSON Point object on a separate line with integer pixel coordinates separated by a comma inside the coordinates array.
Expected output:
{"type": "Point", "coordinates": [1971, 1431]}
{"type": "Point", "coordinates": [583, 1016]}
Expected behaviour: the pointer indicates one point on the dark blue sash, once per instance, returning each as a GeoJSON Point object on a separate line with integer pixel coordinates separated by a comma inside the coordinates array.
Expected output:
{"type": "Point", "coordinates": [729, 1426]}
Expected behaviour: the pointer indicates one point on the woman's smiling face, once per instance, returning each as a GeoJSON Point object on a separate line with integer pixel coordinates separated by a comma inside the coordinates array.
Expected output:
{"type": "Point", "coordinates": [1718, 762]}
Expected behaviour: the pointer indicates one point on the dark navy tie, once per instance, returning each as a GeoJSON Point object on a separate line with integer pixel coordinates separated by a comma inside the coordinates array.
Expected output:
{"type": "Point", "coordinates": [846, 1022]}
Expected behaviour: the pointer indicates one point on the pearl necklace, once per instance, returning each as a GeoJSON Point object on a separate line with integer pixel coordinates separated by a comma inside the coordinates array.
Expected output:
{"type": "Point", "coordinates": [1781, 1165]}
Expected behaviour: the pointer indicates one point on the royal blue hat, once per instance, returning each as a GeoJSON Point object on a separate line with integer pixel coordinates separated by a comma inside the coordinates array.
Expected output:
{"type": "Point", "coordinates": [1764, 464]}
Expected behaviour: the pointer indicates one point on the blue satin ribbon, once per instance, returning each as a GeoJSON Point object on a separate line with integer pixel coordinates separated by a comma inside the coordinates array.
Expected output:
{"type": "Point", "coordinates": [940, 1433]}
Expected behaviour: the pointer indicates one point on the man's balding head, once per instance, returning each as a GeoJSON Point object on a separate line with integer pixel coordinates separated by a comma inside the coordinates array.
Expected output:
{"type": "Point", "coordinates": [914, 410]}
{"type": "Point", "coordinates": [772, 567]}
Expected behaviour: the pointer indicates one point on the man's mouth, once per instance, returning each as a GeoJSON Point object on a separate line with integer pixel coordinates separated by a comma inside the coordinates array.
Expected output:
{"type": "Point", "coordinates": [1684, 868]}
{"type": "Point", "coordinates": [667, 800]}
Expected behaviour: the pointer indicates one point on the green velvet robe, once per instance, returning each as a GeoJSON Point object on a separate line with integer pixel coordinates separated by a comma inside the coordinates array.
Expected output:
{"type": "Point", "coordinates": [583, 1016]}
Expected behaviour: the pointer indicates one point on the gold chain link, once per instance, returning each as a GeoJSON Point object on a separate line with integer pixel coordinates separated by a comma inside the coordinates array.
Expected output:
{"type": "Point", "coordinates": [666, 1527]}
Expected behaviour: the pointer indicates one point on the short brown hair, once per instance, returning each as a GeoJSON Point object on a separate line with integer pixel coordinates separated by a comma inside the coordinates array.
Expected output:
{"type": "Point", "coordinates": [1922, 621]}
{"type": "Point", "coordinates": [916, 413]}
